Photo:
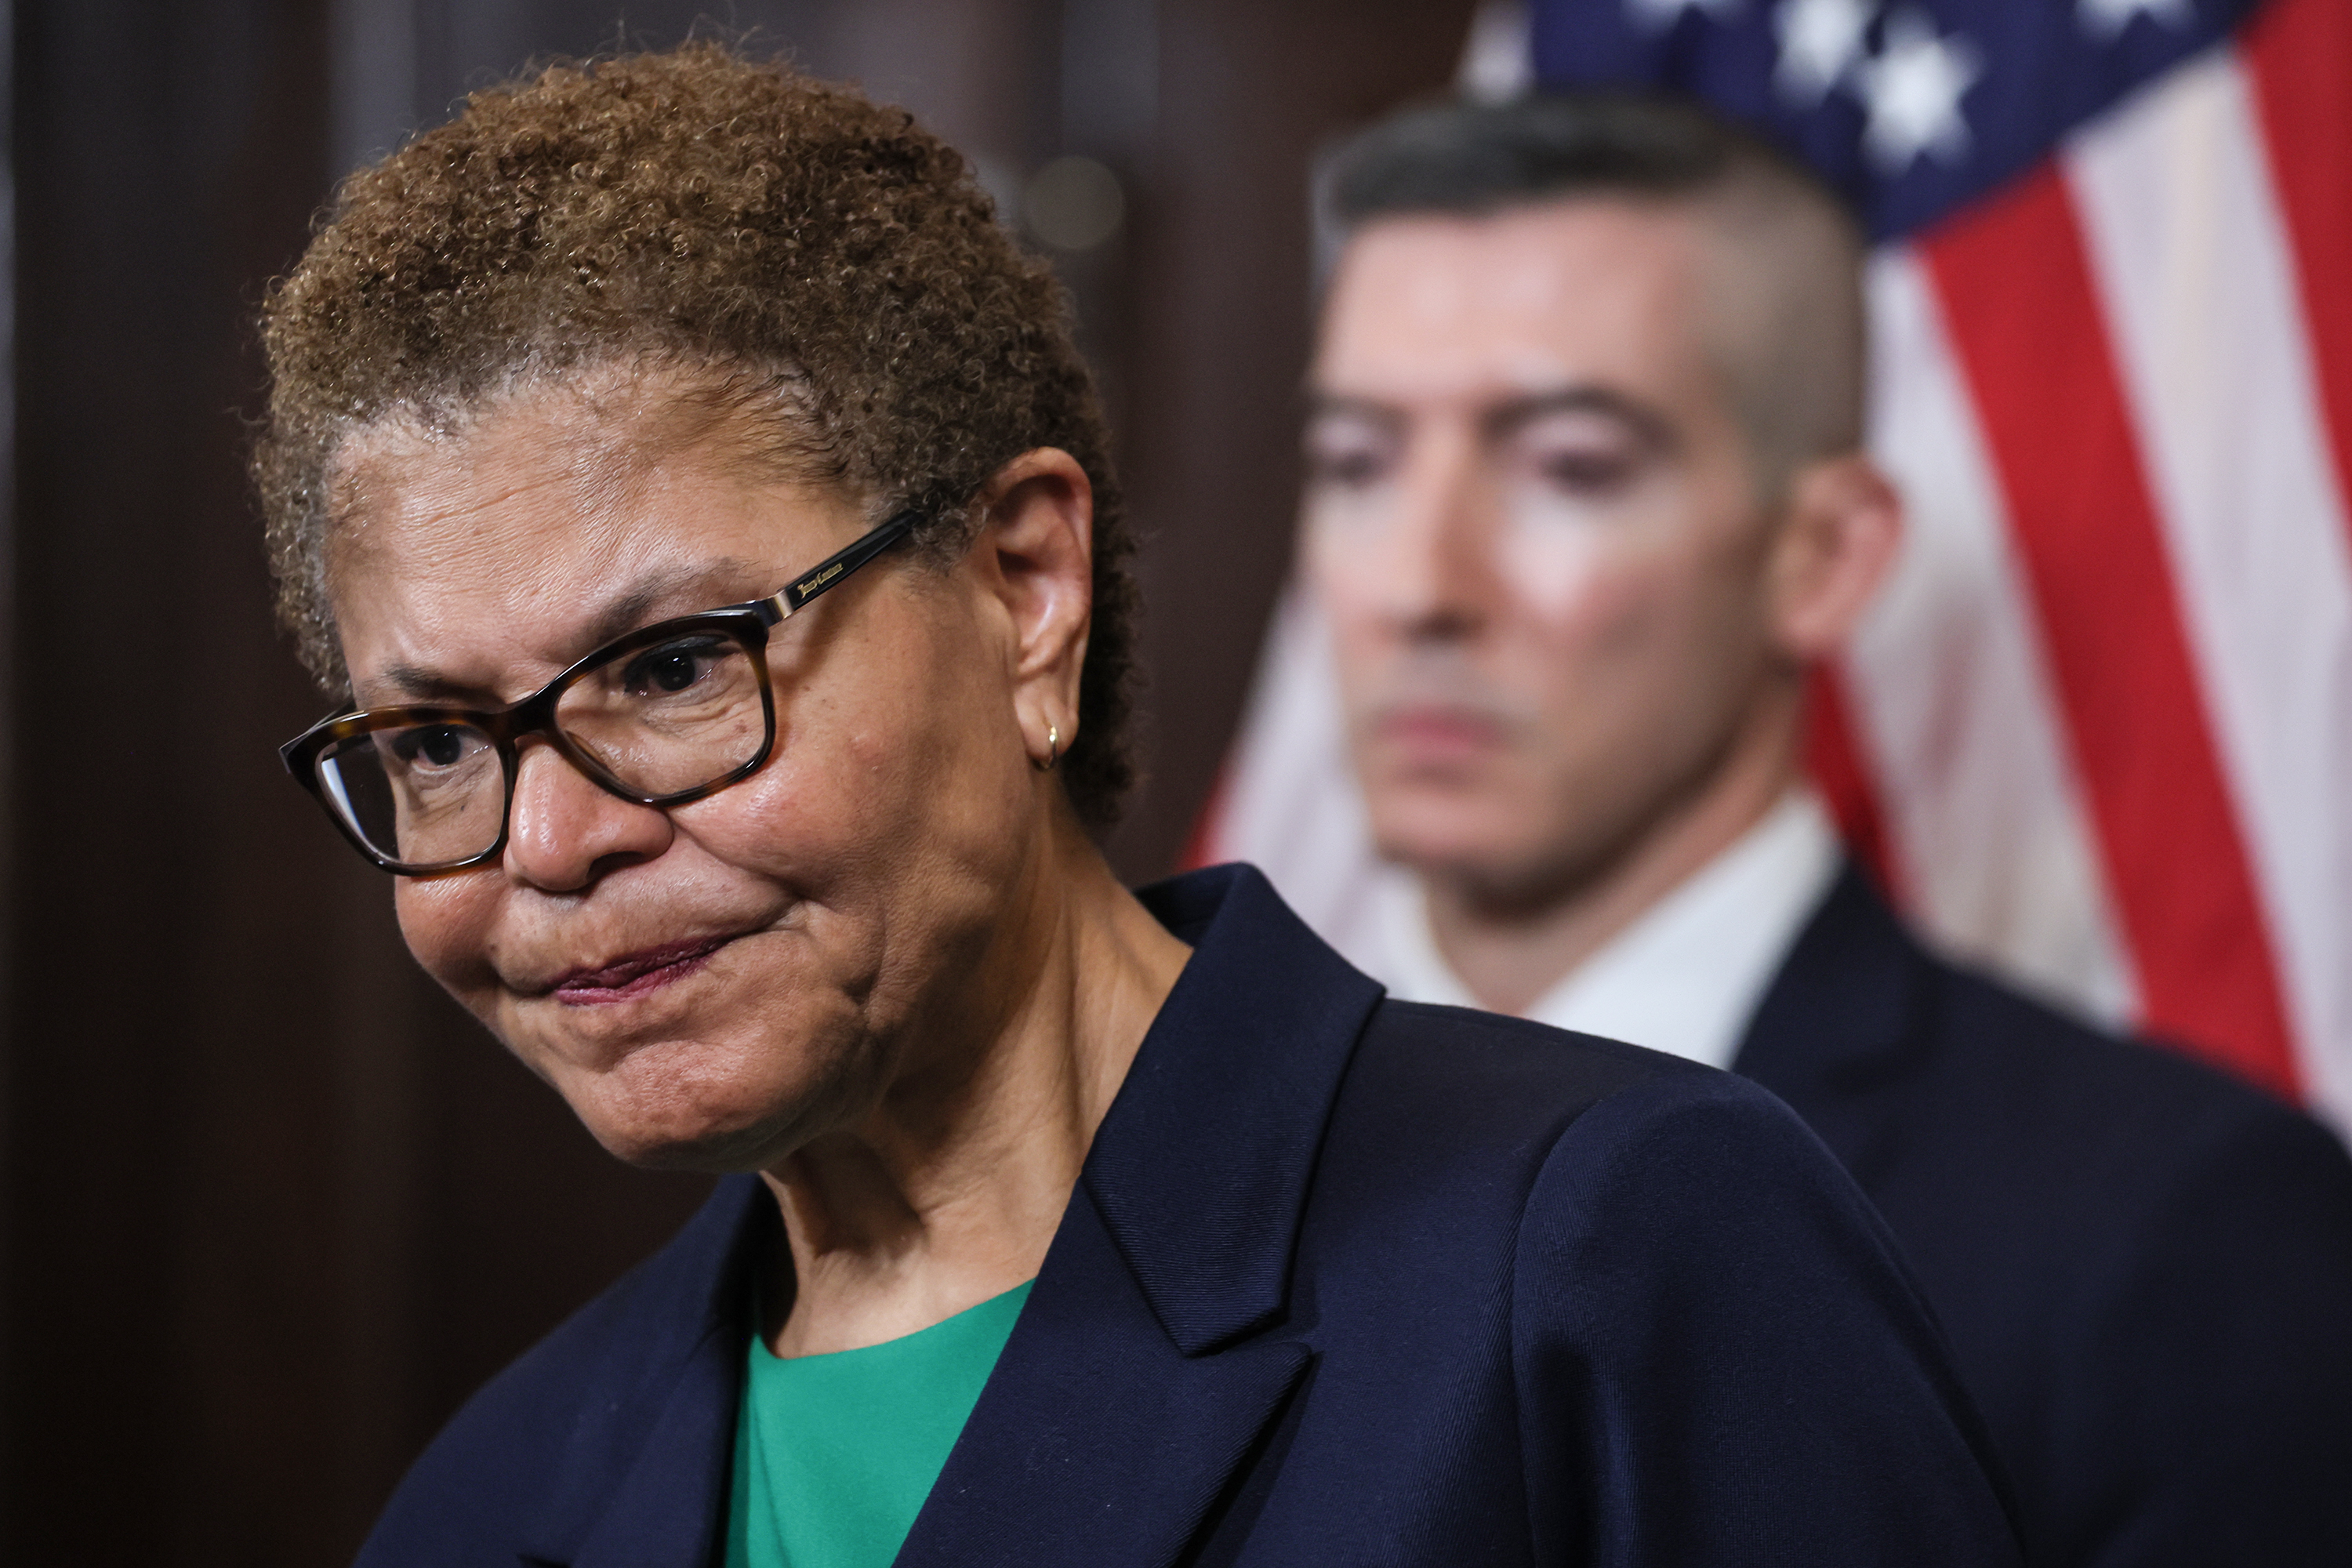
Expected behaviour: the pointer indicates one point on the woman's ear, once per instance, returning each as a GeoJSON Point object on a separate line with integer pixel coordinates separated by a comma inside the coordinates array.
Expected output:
{"type": "Point", "coordinates": [1844, 525]}
{"type": "Point", "coordinates": [1036, 553]}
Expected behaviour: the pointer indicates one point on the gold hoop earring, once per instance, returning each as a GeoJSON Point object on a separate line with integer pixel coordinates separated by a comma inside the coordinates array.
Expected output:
{"type": "Point", "coordinates": [1052, 750]}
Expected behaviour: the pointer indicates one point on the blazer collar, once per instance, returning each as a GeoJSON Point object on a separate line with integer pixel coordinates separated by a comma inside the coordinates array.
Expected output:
{"type": "Point", "coordinates": [1846, 1015]}
{"type": "Point", "coordinates": [648, 1483]}
{"type": "Point", "coordinates": [1200, 1167]}
{"type": "Point", "coordinates": [1150, 1364]}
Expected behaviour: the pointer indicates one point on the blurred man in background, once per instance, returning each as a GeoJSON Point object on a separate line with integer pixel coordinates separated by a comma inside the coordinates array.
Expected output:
{"type": "Point", "coordinates": [1586, 499]}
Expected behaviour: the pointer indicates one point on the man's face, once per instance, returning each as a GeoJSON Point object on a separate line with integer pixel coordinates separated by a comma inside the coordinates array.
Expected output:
{"type": "Point", "coordinates": [1536, 526]}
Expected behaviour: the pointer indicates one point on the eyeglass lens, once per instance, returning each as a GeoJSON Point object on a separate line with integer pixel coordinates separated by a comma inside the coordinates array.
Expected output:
{"type": "Point", "coordinates": [659, 721]}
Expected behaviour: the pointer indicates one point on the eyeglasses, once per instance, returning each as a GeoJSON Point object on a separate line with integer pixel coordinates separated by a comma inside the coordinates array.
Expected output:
{"type": "Point", "coordinates": [664, 715]}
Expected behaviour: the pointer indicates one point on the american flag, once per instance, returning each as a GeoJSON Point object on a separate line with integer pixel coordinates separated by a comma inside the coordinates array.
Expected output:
{"type": "Point", "coordinates": [2097, 731]}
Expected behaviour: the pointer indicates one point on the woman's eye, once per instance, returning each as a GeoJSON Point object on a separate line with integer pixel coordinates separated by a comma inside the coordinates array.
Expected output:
{"type": "Point", "coordinates": [670, 669]}
{"type": "Point", "coordinates": [435, 746]}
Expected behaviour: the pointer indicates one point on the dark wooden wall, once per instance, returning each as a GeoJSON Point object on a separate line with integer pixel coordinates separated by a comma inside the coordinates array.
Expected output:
{"type": "Point", "coordinates": [270, 1205]}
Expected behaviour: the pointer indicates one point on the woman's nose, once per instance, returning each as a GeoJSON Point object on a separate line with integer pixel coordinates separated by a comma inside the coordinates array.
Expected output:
{"type": "Point", "coordinates": [563, 831]}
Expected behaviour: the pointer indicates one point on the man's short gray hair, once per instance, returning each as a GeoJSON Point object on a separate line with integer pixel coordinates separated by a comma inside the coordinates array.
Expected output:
{"type": "Point", "coordinates": [1791, 271]}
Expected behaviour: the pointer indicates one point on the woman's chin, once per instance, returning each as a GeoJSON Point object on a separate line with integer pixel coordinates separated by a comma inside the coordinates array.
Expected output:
{"type": "Point", "coordinates": [688, 1112]}
{"type": "Point", "coordinates": [716, 1151]}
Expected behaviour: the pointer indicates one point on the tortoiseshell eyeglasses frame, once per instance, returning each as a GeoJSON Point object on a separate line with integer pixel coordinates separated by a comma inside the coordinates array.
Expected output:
{"type": "Point", "coordinates": [748, 623]}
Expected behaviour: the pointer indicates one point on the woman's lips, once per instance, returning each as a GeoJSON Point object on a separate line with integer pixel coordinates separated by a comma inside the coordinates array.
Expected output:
{"type": "Point", "coordinates": [637, 974]}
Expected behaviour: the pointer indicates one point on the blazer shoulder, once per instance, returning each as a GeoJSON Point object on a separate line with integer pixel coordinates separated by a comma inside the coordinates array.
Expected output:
{"type": "Point", "coordinates": [1698, 1293]}
{"type": "Point", "coordinates": [2138, 1106]}
{"type": "Point", "coordinates": [1900, 1057]}
{"type": "Point", "coordinates": [1476, 1089]}
{"type": "Point", "coordinates": [1506, 1069]}
{"type": "Point", "coordinates": [536, 1451]}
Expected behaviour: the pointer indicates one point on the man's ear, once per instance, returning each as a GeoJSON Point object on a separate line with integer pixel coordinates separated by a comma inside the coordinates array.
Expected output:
{"type": "Point", "coordinates": [1836, 540]}
{"type": "Point", "coordinates": [1035, 554]}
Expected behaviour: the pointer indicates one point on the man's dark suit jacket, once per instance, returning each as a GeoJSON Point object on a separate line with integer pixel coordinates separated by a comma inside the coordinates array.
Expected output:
{"type": "Point", "coordinates": [2144, 1269]}
{"type": "Point", "coordinates": [1344, 1281]}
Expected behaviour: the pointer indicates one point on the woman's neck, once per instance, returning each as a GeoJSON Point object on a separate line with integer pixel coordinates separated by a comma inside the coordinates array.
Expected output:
{"type": "Point", "coordinates": [950, 1191]}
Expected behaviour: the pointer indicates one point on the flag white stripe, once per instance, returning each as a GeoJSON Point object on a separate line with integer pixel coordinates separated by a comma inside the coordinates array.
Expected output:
{"type": "Point", "coordinates": [1956, 710]}
{"type": "Point", "coordinates": [1290, 804]}
{"type": "Point", "coordinates": [2188, 244]}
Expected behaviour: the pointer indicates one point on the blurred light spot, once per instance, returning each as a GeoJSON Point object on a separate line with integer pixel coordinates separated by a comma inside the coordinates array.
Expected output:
{"type": "Point", "coordinates": [1073, 204]}
{"type": "Point", "coordinates": [1002, 181]}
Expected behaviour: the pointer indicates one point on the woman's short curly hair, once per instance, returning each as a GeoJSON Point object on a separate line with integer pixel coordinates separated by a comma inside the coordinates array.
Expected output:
{"type": "Point", "coordinates": [732, 219]}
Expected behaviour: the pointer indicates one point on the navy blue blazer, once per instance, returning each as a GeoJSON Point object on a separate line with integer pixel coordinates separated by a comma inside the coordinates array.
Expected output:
{"type": "Point", "coordinates": [1343, 1281]}
{"type": "Point", "coordinates": [2145, 1267]}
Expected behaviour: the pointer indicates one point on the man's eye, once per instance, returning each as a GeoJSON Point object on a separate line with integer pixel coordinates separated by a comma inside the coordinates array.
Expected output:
{"type": "Point", "coordinates": [1349, 469]}
{"type": "Point", "coordinates": [1346, 453]}
{"type": "Point", "coordinates": [1587, 473]}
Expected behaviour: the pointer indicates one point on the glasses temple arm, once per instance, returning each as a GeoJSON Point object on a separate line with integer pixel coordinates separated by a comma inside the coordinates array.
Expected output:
{"type": "Point", "coordinates": [835, 567]}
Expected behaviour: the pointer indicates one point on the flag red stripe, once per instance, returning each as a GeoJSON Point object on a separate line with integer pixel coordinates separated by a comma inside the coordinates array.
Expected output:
{"type": "Point", "coordinates": [2299, 52]}
{"type": "Point", "coordinates": [1845, 779]}
{"type": "Point", "coordinates": [1201, 845]}
{"type": "Point", "coordinates": [2025, 324]}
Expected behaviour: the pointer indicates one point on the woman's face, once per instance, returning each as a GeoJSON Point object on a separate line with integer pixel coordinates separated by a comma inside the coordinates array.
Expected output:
{"type": "Point", "coordinates": [713, 984]}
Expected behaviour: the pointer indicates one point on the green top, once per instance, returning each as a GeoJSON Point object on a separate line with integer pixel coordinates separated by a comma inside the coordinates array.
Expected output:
{"type": "Point", "coordinates": [834, 1454]}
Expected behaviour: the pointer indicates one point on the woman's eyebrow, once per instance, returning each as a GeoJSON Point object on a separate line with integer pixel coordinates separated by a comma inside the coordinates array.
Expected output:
{"type": "Point", "coordinates": [617, 616]}
{"type": "Point", "coordinates": [630, 609]}
{"type": "Point", "coordinates": [421, 683]}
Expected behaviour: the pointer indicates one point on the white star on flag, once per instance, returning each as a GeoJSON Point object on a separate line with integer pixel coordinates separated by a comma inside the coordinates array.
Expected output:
{"type": "Point", "coordinates": [2108, 19]}
{"type": "Point", "coordinates": [1820, 40]}
{"type": "Point", "coordinates": [1664, 14]}
{"type": "Point", "coordinates": [1499, 62]}
{"type": "Point", "coordinates": [1913, 92]}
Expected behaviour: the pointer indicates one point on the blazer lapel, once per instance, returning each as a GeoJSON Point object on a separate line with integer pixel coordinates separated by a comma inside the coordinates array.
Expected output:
{"type": "Point", "coordinates": [1150, 1359]}
{"type": "Point", "coordinates": [1843, 1021]}
{"type": "Point", "coordinates": [1096, 1440]}
{"type": "Point", "coordinates": [661, 1508]}
{"type": "Point", "coordinates": [665, 1508]}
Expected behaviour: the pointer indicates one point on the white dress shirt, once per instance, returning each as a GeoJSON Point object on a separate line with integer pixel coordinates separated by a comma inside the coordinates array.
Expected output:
{"type": "Point", "coordinates": [1686, 975]}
